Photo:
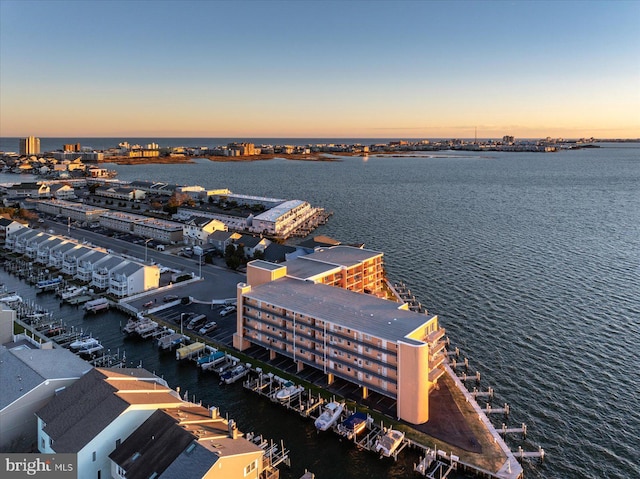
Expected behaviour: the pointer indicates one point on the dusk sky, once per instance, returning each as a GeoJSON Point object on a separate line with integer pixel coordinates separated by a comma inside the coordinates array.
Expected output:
{"type": "Point", "coordinates": [418, 69]}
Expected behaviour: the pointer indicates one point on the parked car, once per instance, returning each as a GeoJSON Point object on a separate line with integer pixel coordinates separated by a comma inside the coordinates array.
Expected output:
{"type": "Point", "coordinates": [169, 297]}
{"type": "Point", "coordinates": [209, 327]}
{"type": "Point", "coordinates": [228, 310]}
{"type": "Point", "coordinates": [148, 304]}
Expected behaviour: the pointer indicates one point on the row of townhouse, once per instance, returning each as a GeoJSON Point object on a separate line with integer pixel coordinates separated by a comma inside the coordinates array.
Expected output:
{"type": "Point", "coordinates": [102, 270]}
{"type": "Point", "coordinates": [120, 193]}
{"type": "Point", "coordinates": [154, 228]}
{"type": "Point", "coordinates": [279, 220]}
{"type": "Point", "coordinates": [69, 209]}
{"type": "Point", "coordinates": [315, 310]}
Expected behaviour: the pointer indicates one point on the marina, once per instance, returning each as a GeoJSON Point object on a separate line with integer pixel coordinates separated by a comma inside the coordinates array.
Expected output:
{"type": "Point", "coordinates": [357, 428]}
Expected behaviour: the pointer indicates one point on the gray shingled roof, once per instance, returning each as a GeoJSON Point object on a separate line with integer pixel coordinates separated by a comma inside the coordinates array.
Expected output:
{"type": "Point", "coordinates": [193, 464]}
{"type": "Point", "coordinates": [158, 441]}
{"type": "Point", "coordinates": [81, 412]}
{"type": "Point", "coordinates": [361, 312]}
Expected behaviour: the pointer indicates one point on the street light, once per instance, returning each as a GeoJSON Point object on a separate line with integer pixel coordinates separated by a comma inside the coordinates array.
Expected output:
{"type": "Point", "coordinates": [145, 248]}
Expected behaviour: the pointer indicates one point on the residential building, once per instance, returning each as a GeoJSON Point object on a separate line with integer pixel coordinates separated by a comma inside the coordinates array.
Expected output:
{"type": "Point", "coordinates": [221, 239]}
{"type": "Point", "coordinates": [29, 190]}
{"type": "Point", "coordinates": [189, 441]}
{"type": "Point", "coordinates": [30, 146]}
{"type": "Point", "coordinates": [62, 191]}
{"type": "Point", "coordinates": [93, 416]}
{"type": "Point", "coordinates": [69, 209]}
{"type": "Point", "coordinates": [314, 310]}
{"type": "Point", "coordinates": [31, 374]}
{"type": "Point", "coordinates": [133, 278]}
{"type": "Point", "coordinates": [197, 229]}
{"type": "Point", "coordinates": [251, 245]}
{"type": "Point", "coordinates": [7, 227]}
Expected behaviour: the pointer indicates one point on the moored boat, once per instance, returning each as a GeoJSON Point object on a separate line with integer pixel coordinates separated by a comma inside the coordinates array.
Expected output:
{"type": "Point", "coordinates": [235, 373]}
{"type": "Point", "coordinates": [83, 342]}
{"type": "Point", "coordinates": [100, 304]}
{"type": "Point", "coordinates": [330, 414]}
{"type": "Point", "coordinates": [387, 443]}
{"type": "Point", "coordinates": [288, 391]}
{"type": "Point", "coordinates": [353, 425]}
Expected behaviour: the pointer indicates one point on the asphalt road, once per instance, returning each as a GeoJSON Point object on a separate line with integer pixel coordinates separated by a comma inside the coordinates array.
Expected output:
{"type": "Point", "coordinates": [219, 283]}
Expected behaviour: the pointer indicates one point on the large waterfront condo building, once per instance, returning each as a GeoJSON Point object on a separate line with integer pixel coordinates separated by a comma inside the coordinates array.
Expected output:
{"type": "Point", "coordinates": [325, 321]}
{"type": "Point", "coordinates": [29, 146]}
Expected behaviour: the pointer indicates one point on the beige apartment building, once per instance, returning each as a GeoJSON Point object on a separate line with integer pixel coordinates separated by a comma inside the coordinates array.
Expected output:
{"type": "Point", "coordinates": [326, 321]}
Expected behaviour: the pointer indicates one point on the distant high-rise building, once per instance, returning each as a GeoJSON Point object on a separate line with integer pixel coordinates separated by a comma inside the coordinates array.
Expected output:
{"type": "Point", "coordinates": [508, 139]}
{"type": "Point", "coordinates": [71, 147]}
{"type": "Point", "coordinates": [29, 146]}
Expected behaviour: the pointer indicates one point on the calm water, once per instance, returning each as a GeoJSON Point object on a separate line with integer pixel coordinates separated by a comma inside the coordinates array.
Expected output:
{"type": "Point", "coordinates": [531, 261]}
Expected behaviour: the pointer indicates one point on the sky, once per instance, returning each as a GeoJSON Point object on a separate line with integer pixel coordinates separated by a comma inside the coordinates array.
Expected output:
{"type": "Point", "coordinates": [322, 69]}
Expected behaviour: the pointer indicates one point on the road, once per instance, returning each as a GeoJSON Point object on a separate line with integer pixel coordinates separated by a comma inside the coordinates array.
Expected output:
{"type": "Point", "coordinates": [218, 282]}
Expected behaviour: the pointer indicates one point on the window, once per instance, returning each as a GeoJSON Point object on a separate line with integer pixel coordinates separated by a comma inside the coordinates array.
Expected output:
{"type": "Point", "coordinates": [93, 456]}
{"type": "Point", "coordinates": [251, 467]}
{"type": "Point", "coordinates": [118, 441]}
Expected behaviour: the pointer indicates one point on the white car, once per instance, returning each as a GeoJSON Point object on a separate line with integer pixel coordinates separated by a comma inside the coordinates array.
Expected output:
{"type": "Point", "coordinates": [207, 328]}
{"type": "Point", "coordinates": [228, 310]}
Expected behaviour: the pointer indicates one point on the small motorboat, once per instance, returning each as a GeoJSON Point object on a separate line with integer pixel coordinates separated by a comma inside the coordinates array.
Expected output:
{"type": "Point", "coordinates": [235, 373]}
{"type": "Point", "coordinates": [83, 342]}
{"type": "Point", "coordinates": [353, 425]}
{"type": "Point", "coordinates": [388, 442]}
{"type": "Point", "coordinates": [288, 391]}
{"type": "Point", "coordinates": [329, 416]}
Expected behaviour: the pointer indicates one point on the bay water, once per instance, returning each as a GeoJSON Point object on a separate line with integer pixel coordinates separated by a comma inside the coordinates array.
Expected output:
{"type": "Point", "coordinates": [531, 261]}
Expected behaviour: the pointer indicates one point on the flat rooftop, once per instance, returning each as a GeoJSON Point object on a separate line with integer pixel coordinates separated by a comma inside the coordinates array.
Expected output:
{"type": "Point", "coordinates": [362, 312]}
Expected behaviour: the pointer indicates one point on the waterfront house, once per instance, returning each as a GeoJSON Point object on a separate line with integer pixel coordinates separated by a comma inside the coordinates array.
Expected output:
{"type": "Point", "coordinates": [7, 227]}
{"type": "Point", "coordinates": [31, 374]}
{"type": "Point", "coordinates": [133, 278]}
{"type": "Point", "coordinates": [18, 241]}
{"type": "Point", "coordinates": [71, 259]}
{"type": "Point", "coordinates": [93, 416]}
{"type": "Point", "coordinates": [87, 264]}
{"type": "Point", "coordinates": [189, 441]}
{"type": "Point", "coordinates": [44, 249]}
{"type": "Point", "coordinates": [102, 270]}
{"type": "Point", "coordinates": [57, 252]}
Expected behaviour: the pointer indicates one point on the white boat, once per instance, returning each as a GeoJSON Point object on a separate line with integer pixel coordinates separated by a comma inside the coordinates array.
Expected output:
{"type": "Point", "coordinates": [235, 373]}
{"type": "Point", "coordinates": [90, 349]}
{"type": "Point", "coordinates": [330, 414]}
{"type": "Point", "coordinates": [11, 298]}
{"type": "Point", "coordinates": [387, 443]}
{"type": "Point", "coordinates": [96, 305]}
{"type": "Point", "coordinates": [288, 391]}
{"type": "Point", "coordinates": [130, 327]}
{"type": "Point", "coordinates": [72, 292]}
{"type": "Point", "coordinates": [83, 342]}
{"type": "Point", "coordinates": [145, 326]}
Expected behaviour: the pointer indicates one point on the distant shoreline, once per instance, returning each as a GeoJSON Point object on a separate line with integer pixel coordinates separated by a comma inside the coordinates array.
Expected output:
{"type": "Point", "coordinates": [173, 160]}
